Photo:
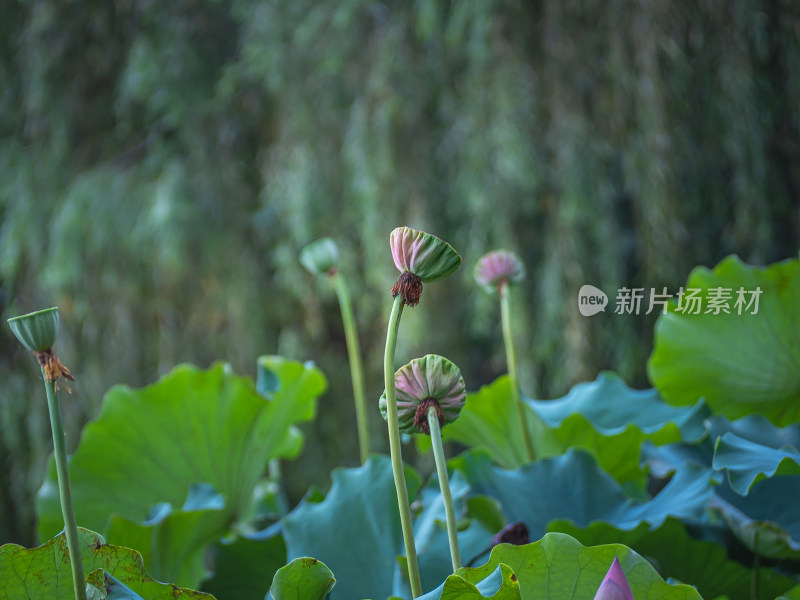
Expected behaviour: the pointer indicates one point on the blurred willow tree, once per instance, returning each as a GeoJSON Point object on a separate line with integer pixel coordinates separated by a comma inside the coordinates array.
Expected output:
{"type": "Point", "coordinates": [161, 164]}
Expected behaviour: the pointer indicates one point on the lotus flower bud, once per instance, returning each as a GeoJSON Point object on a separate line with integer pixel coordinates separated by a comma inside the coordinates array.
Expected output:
{"type": "Point", "coordinates": [615, 585]}
{"type": "Point", "coordinates": [425, 382]}
{"type": "Point", "coordinates": [37, 332]}
{"type": "Point", "coordinates": [420, 258]}
{"type": "Point", "coordinates": [320, 257]}
{"type": "Point", "coordinates": [498, 267]}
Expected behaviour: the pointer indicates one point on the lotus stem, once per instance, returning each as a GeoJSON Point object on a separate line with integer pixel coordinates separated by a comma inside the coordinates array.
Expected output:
{"type": "Point", "coordinates": [356, 370]}
{"type": "Point", "coordinates": [444, 486]}
{"type": "Point", "coordinates": [508, 338]}
{"type": "Point", "coordinates": [59, 449]}
{"type": "Point", "coordinates": [395, 450]}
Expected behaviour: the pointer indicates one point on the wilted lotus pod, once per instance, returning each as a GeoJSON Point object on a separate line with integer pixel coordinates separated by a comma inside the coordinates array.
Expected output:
{"type": "Point", "coordinates": [424, 382]}
{"type": "Point", "coordinates": [615, 585]}
{"type": "Point", "coordinates": [37, 330]}
{"type": "Point", "coordinates": [320, 257]}
{"type": "Point", "coordinates": [420, 257]}
{"type": "Point", "coordinates": [498, 266]}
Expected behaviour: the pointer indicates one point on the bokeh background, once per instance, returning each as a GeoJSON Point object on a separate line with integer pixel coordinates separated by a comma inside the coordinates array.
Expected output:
{"type": "Point", "coordinates": [162, 163]}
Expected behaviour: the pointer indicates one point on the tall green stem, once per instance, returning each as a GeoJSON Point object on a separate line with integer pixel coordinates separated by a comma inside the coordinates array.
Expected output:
{"type": "Point", "coordinates": [394, 448]}
{"type": "Point", "coordinates": [70, 527]}
{"type": "Point", "coordinates": [356, 371]}
{"type": "Point", "coordinates": [444, 485]}
{"type": "Point", "coordinates": [505, 314]}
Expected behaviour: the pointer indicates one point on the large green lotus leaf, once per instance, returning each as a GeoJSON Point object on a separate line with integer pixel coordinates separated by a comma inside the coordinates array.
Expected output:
{"type": "Point", "coordinates": [501, 584]}
{"type": "Point", "coordinates": [44, 573]}
{"type": "Point", "coordinates": [245, 566]}
{"type": "Point", "coordinates": [740, 364]}
{"type": "Point", "coordinates": [573, 486]}
{"type": "Point", "coordinates": [793, 594]}
{"type": "Point", "coordinates": [752, 448]}
{"type": "Point", "coordinates": [677, 555]}
{"type": "Point", "coordinates": [174, 547]}
{"type": "Point", "coordinates": [149, 447]}
{"type": "Point", "coordinates": [604, 417]}
{"type": "Point", "coordinates": [302, 579]}
{"type": "Point", "coordinates": [558, 567]}
{"type": "Point", "coordinates": [355, 530]}
{"type": "Point", "coordinates": [767, 519]}
{"type": "Point", "coordinates": [490, 420]}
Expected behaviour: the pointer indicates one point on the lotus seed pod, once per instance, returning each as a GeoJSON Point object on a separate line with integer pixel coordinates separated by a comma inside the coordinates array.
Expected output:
{"type": "Point", "coordinates": [497, 267]}
{"type": "Point", "coordinates": [37, 330]}
{"type": "Point", "coordinates": [420, 257]}
{"type": "Point", "coordinates": [425, 382]}
{"type": "Point", "coordinates": [615, 585]}
{"type": "Point", "coordinates": [320, 257]}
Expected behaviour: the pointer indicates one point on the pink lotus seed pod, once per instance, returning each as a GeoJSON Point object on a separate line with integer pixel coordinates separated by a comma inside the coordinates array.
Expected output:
{"type": "Point", "coordinates": [497, 267]}
{"type": "Point", "coordinates": [420, 258]}
{"type": "Point", "coordinates": [425, 382]}
{"type": "Point", "coordinates": [615, 585]}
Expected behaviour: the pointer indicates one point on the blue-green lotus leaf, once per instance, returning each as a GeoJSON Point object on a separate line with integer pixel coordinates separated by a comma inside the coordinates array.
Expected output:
{"type": "Point", "coordinates": [662, 461]}
{"type": "Point", "coordinates": [752, 448]}
{"type": "Point", "coordinates": [354, 530]}
{"type": "Point", "coordinates": [740, 363]}
{"type": "Point", "coordinates": [604, 417]}
{"type": "Point", "coordinates": [573, 487]}
{"type": "Point", "coordinates": [748, 462]}
{"type": "Point", "coordinates": [766, 520]}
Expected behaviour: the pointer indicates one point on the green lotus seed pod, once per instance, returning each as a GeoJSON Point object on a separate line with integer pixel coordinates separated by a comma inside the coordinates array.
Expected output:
{"type": "Point", "coordinates": [497, 267]}
{"type": "Point", "coordinates": [37, 330]}
{"type": "Point", "coordinates": [424, 382]}
{"type": "Point", "coordinates": [420, 257]}
{"type": "Point", "coordinates": [320, 257]}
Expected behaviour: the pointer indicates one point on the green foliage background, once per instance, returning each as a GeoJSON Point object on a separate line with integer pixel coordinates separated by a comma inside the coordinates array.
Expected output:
{"type": "Point", "coordinates": [161, 164]}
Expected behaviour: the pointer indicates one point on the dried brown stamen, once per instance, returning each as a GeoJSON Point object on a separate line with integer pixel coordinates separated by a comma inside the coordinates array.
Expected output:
{"type": "Point", "coordinates": [53, 368]}
{"type": "Point", "coordinates": [409, 286]}
{"type": "Point", "coordinates": [421, 415]}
